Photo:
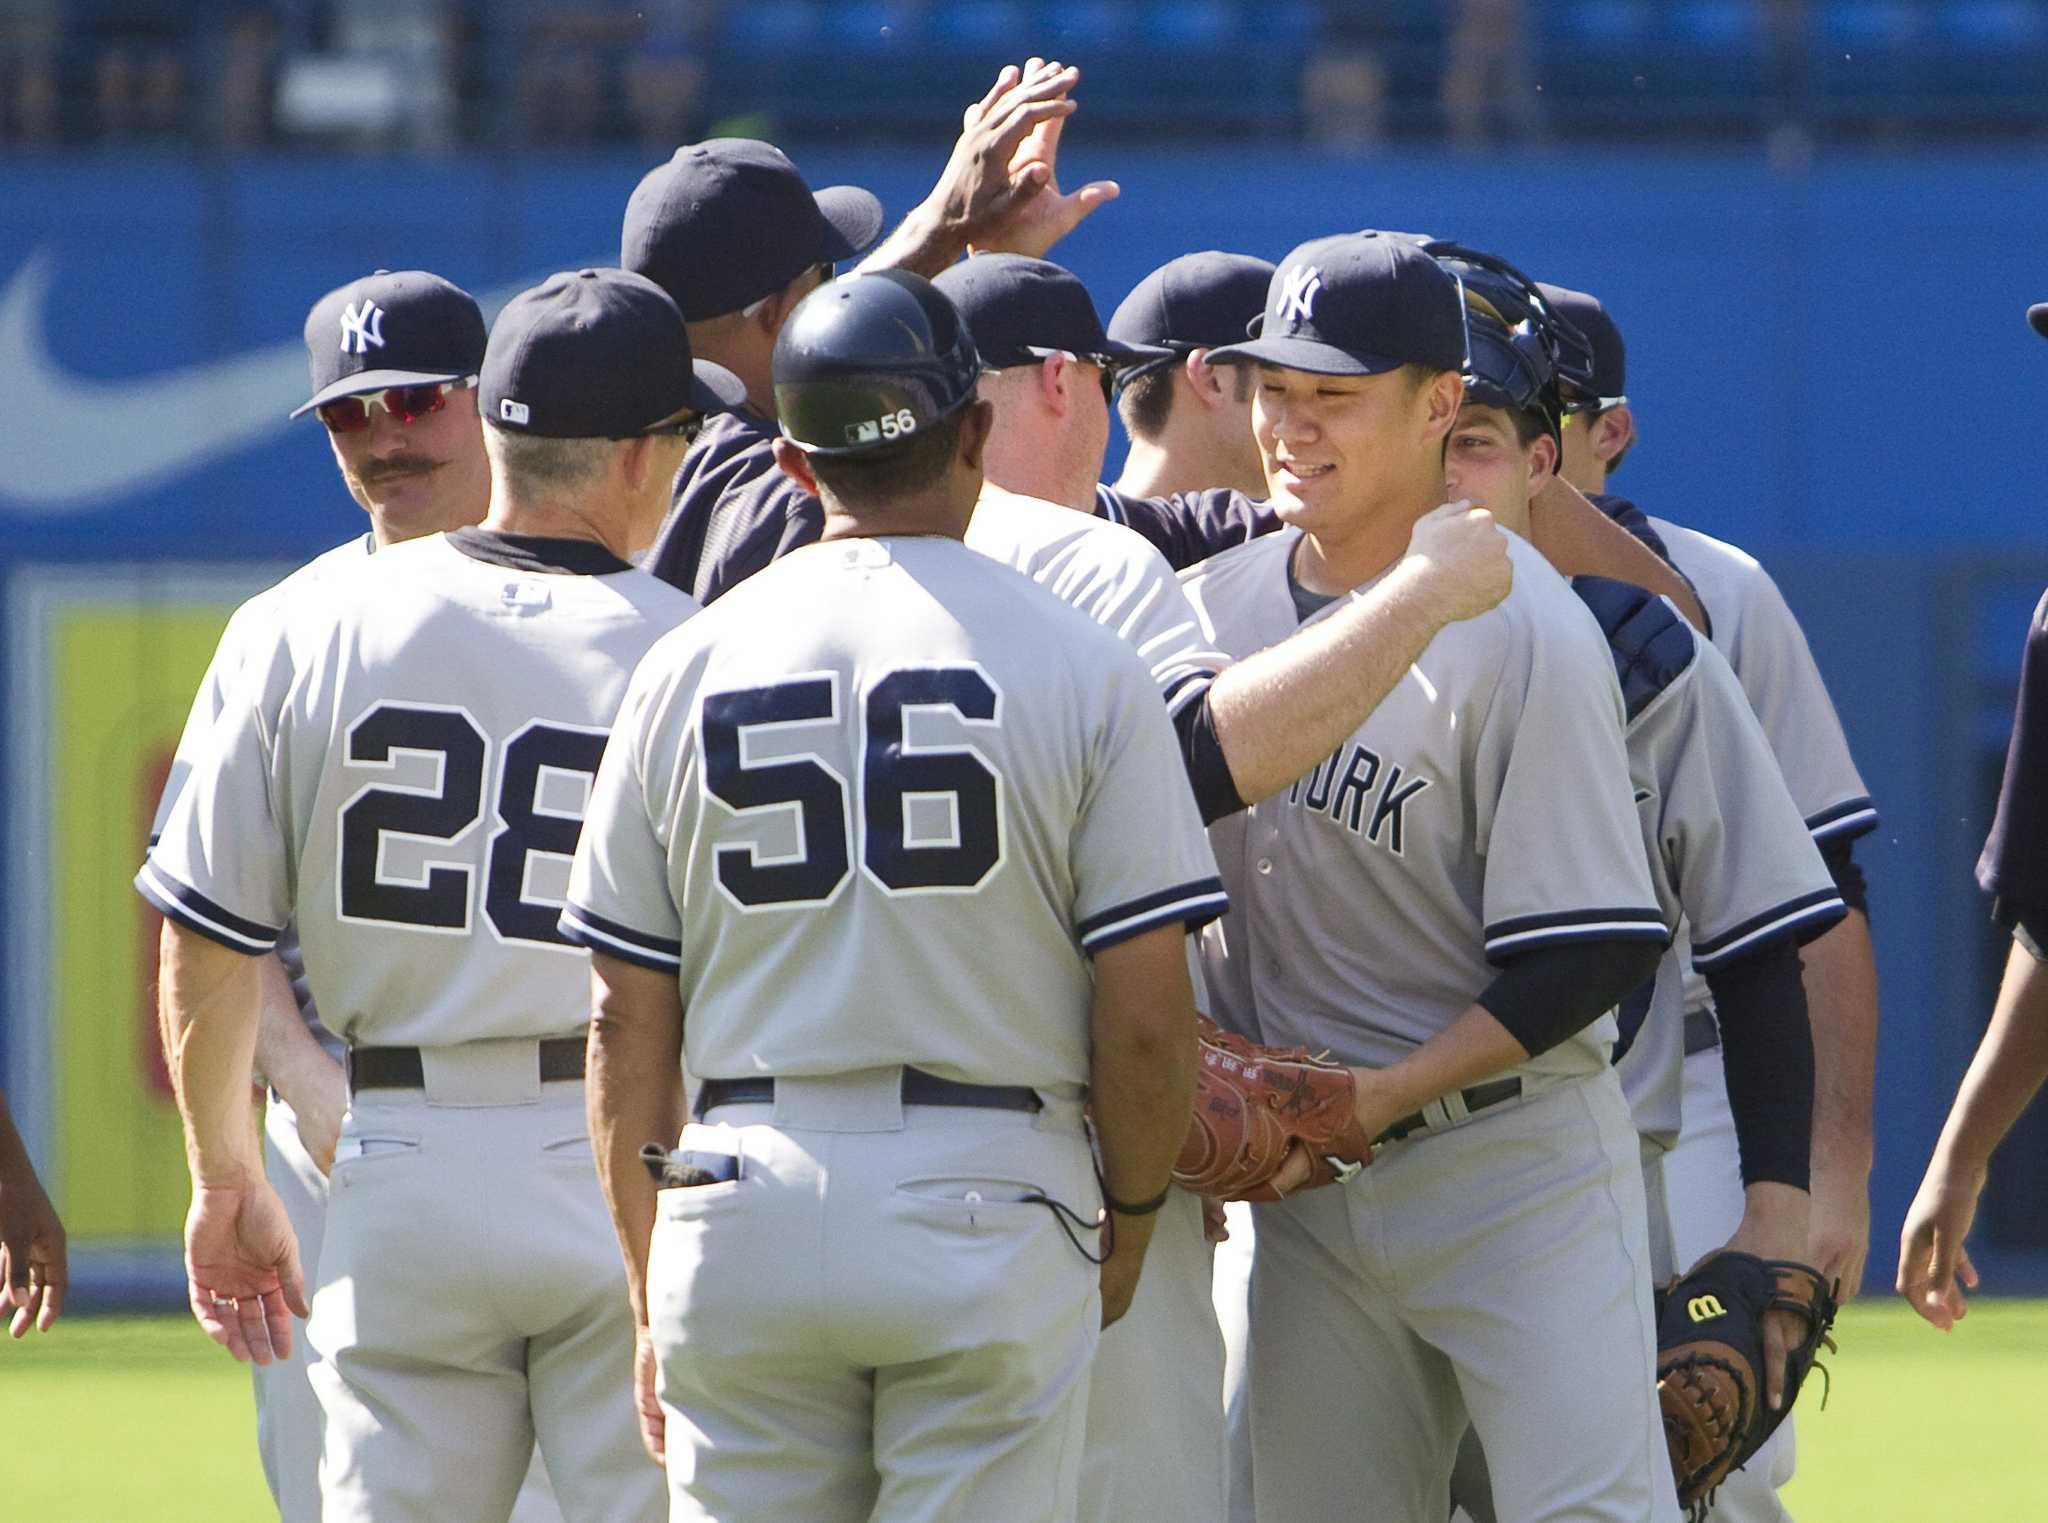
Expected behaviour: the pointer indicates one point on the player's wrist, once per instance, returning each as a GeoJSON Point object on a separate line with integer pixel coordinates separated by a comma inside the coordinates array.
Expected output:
{"type": "Point", "coordinates": [1137, 1206]}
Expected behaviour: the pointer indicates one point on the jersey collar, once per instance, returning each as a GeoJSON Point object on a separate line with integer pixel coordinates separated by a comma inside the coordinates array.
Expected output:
{"type": "Point", "coordinates": [536, 552]}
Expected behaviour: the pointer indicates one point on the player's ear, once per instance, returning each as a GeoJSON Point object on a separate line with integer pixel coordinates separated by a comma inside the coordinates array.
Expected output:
{"type": "Point", "coordinates": [1209, 381]}
{"type": "Point", "coordinates": [1056, 372]}
{"type": "Point", "coordinates": [977, 422]}
{"type": "Point", "coordinates": [1542, 462]}
{"type": "Point", "coordinates": [1613, 432]}
{"type": "Point", "coordinates": [796, 465]}
{"type": "Point", "coordinates": [1445, 394]}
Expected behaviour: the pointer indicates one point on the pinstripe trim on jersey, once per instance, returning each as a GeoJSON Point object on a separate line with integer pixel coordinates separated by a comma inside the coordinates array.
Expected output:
{"type": "Point", "coordinates": [1192, 904]}
{"type": "Point", "coordinates": [1812, 912]}
{"type": "Point", "coordinates": [1107, 505]}
{"type": "Point", "coordinates": [195, 912]}
{"type": "Point", "coordinates": [1851, 817]}
{"type": "Point", "coordinates": [1186, 688]}
{"type": "Point", "coordinates": [1525, 933]}
{"type": "Point", "coordinates": [587, 928]}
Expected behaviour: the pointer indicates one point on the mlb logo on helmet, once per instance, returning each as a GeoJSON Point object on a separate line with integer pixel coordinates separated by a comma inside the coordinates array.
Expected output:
{"type": "Point", "coordinates": [513, 412]}
{"type": "Point", "coordinates": [863, 433]}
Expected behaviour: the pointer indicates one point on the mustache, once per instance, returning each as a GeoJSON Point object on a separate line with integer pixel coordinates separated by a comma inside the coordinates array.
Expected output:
{"type": "Point", "coordinates": [394, 468]}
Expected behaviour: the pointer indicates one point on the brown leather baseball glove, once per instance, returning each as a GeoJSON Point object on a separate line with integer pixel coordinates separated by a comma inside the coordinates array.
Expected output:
{"type": "Point", "coordinates": [1710, 1363]}
{"type": "Point", "coordinates": [1253, 1106]}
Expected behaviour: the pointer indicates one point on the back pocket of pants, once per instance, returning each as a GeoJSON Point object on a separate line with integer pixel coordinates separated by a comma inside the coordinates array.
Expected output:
{"type": "Point", "coordinates": [367, 1152]}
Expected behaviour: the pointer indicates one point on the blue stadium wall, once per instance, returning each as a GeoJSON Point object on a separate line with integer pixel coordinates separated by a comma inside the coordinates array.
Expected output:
{"type": "Point", "coordinates": [1831, 369]}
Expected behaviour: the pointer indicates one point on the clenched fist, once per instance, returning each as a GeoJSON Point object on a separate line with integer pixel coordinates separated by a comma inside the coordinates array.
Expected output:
{"type": "Point", "coordinates": [1463, 555]}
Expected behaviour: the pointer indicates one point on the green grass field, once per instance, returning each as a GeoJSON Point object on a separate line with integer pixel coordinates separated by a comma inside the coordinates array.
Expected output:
{"type": "Point", "coordinates": [116, 1419]}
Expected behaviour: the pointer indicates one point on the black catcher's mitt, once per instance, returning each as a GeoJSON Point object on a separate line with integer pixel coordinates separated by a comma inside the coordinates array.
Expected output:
{"type": "Point", "coordinates": [1710, 1363]}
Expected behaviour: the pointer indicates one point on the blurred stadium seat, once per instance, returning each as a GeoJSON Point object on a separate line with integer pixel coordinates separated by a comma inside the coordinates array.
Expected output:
{"type": "Point", "coordinates": [1623, 69]}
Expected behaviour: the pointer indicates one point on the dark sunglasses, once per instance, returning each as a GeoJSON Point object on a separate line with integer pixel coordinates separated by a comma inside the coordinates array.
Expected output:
{"type": "Point", "coordinates": [685, 428]}
{"type": "Point", "coordinates": [406, 404]}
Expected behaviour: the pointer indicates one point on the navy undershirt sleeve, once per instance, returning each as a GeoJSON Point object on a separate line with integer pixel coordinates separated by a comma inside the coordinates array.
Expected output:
{"type": "Point", "coordinates": [1767, 1050]}
{"type": "Point", "coordinates": [1552, 993]}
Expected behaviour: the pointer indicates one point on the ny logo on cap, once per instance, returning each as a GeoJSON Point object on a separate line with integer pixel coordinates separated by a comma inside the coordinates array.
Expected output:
{"type": "Point", "coordinates": [361, 326]}
{"type": "Point", "coordinates": [1298, 293]}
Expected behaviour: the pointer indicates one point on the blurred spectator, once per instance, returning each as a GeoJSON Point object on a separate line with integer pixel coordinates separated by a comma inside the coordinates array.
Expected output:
{"type": "Point", "coordinates": [1344, 87]}
{"type": "Point", "coordinates": [1489, 84]}
{"type": "Point", "coordinates": [28, 70]}
{"type": "Point", "coordinates": [244, 51]}
{"type": "Point", "coordinates": [374, 72]}
{"type": "Point", "coordinates": [137, 52]}
{"type": "Point", "coordinates": [665, 72]}
{"type": "Point", "coordinates": [570, 61]}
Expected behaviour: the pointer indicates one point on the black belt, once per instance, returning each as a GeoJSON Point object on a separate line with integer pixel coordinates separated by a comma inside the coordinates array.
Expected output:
{"type": "Point", "coordinates": [1477, 1098]}
{"type": "Point", "coordinates": [919, 1088]}
{"type": "Point", "coordinates": [1702, 1031]}
{"type": "Point", "coordinates": [561, 1057]}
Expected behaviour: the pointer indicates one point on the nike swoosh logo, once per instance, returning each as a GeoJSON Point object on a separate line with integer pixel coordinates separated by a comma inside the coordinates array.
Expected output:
{"type": "Point", "coordinates": [76, 444]}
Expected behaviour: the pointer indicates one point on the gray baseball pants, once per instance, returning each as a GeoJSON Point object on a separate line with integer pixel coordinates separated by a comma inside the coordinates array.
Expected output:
{"type": "Point", "coordinates": [869, 1322]}
{"type": "Point", "coordinates": [471, 1301]}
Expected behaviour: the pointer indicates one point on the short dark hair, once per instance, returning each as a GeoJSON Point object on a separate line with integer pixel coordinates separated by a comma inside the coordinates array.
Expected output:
{"type": "Point", "coordinates": [878, 476]}
{"type": "Point", "coordinates": [1146, 403]}
{"type": "Point", "coordinates": [1530, 424]}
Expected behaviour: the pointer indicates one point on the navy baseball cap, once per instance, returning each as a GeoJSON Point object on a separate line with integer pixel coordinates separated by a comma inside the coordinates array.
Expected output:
{"type": "Point", "coordinates": [2038, 316]}
{"type": "Point", "coordinates": [595, 354]}
{"type": "Point", "coordinates": [1021, 309]}
{"type": "Point", "coordinates": [391, 328]}
{"type": "Point", "coordinates": [1357, 304]}
{"type": "Point", "coordinates": [1610, 355]}
{"type": "Point", "coordinates": [1198, 301]}
{"type": "Point", "coordinates": [729, 221]}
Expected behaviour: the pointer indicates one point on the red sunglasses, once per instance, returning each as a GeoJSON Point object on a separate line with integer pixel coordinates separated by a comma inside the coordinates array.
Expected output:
{"type": "Point", "coordinates": [406, 404]}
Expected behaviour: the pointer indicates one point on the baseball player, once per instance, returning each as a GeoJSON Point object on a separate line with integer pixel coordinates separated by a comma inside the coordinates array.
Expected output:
{"type": "Point", "coordinates": [732, 232]}
{"type": "Point", "coordinates": [887, 823]}
{"type": "Point", "coordinates": [1733, 867]}
{"type": "Point", "coordinates": [1451, 902]}
{"type": "Point", "coordinates": [401, 777]}
{"type": "Point", "coordinates": [1190, 424]}
{"type": "Point", "coordinates": [34, 1266]}
{"type": "Point", "coordinates": [2012, 1059]}
{"type": "Point", "coordinates": [1244, 733]}
{"type": "Point", "coordinates": [1752, 626]}
{"type": "Point", "coordinates": [394, 358]}
{"type": "Point", "coordinates": [1189, 522]}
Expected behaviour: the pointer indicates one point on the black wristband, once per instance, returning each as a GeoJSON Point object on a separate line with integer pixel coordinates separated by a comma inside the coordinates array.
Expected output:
{"type": "Point", "coordinates": [1142, 1208]}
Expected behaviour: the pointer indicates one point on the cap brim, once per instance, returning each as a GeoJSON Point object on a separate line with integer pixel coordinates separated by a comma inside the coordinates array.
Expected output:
{"type": "Point", "coordinates": [855, 217]}
{"type": "Point", "coordinates": [1123, 356]}
{"type": "Point", "coordinates": [2038, 316]}
{"type": "Point", "coordinates": [1136, 354]}
{"type": "Point", "coordinates": [713, 388]}
{"type": "Point", "coordinates": [1312, 355]}
{"type": "Point", "coordinates": [364, 382]}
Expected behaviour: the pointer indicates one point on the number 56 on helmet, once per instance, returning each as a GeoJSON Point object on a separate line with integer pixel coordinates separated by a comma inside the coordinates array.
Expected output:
{"type": "Point", "coordinates": [864, 364]}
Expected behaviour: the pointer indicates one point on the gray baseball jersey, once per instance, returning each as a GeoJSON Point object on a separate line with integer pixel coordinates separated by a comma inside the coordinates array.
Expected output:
{"type": "Point", "coordinates": [252, 632]}
{"type": "Point", "coordinates": [1484, 809]}
{"type": "Point", "coordinates": [932, 793]}
{"type": "Point", "coordinates": [1728, 857]}
{"type": "Point", "coordinates": [1756, 631]}
{"type": "Point", "coordinates": [1108, 572]}
{"type": "Point", "coordinates": [404, 775]}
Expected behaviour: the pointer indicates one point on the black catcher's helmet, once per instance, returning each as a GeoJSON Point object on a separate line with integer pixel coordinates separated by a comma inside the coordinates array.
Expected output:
{"type": "Point", "coordinates": [865, 363]}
